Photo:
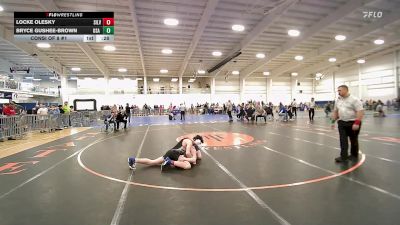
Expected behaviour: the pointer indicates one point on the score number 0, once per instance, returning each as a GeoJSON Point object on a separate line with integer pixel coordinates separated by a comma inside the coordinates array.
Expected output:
{"type": "Point", "coordinates": [108, 21]}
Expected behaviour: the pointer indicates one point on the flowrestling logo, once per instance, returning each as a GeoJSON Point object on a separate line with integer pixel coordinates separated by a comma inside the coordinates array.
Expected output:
{"type": "Point", "coordinates": [372, 14]}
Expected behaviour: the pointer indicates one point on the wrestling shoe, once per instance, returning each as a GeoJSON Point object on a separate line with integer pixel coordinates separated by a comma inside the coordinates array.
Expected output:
{"type": "Point", "coordinates": [341, 159]}
{"type": "Point", "coordinates": [132, 163]}
{"type": "Point", "coordinates": [353, 158]}
{"type": "Point", "coordinates": [167, 162]}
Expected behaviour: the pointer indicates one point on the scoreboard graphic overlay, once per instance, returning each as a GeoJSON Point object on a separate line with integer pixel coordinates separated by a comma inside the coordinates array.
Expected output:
{"type": "Point", "coordinates": [64, 26]}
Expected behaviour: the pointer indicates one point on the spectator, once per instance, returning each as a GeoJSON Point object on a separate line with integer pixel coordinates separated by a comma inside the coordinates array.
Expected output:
{"type": "Point", "coordinates": [182, 109]}
{"type": "Point", "coordinates": [192, 109]}
{"type": "Point", "coordinates": [128, 112]}
{"type": "Point", "coordinates": [328, 109]}
{"type": "Point", "coordinates": [55, 115]}
{"type": "Point", "coordinates": [379, 109]}
{"type": "Point", "coordinates": [114, 109]}
{"type": "Point", "coordinates": [229, 108]}
{"type": "Point", "coordinates": [121, 118]}
{"type": "Point", "coordinates": [35, 109]}
{"type": "Point", "coordinates": [110, 119]}
{"type": "Point", "coordinates": [145, 108]}
{"type": "Point", "coordinates": [60, 108]}
{"type": "Point", "coordinates": [283, 112]}
{"type": "Point", "coordinates": [289, 112]}
{"type": "Point", "coordinates": [67, 113]}
{"type": "Point", "coordinates": [8, 110]}
{"type": "Point", "coordinates": [18, 109]}
{"type": "Point", "coordinates": [66, 108]}
{"type": "Point", "coordinates": [260, 112]}
{"type": "Point", "coordinates": [281, 106]}
{"type": "Point", "coordinates": [311, 110]}
{"type": "Point", "coordinates": [294, 107]}
{"type": "Point", "coordinates": [241, 111]}
{"type": "Point", "coordinates": [42, 113]}
{"type": "Point", "coordinates": [269, 111]}
{"type": "Point", "coordinates": [249, 112]}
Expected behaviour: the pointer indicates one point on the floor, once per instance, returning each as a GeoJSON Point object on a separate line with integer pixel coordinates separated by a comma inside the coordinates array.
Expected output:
{"type": "Point", "coordinates": [35, 139]}
{"type": "Point", "coordinates": [273, 173]}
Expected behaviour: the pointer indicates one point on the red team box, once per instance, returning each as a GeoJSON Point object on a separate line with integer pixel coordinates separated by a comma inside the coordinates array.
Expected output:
{"type": "Point", "coordinates": [108, 21]}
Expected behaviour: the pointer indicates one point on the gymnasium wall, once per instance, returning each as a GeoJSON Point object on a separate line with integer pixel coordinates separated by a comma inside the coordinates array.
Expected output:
{"type": "Point", "coordinates": [377, 79]}
{"type": "Point", "coordinates": [377, 82]}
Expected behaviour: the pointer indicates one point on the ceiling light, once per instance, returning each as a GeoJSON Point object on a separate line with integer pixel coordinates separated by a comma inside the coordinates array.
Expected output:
{"type": "Point", "coordinates": [156, 79]}
{"type": "Point", "coordinates": [109, 48]}
{"type": "Point", "coordinates": [361, 61]}
{"type": "Point", "coordinates": [294, 74]}
{"type": "Point", "coordinates": [235, 72]}
{"type": "Point", "coordinates": [122, 70]}
{"type": "Point", "coordinates": [73, 78]}
{"type": "Point", "coordinates": [266, 73]}
{"type": "Point", "coordinates": [238, 27]}
{"type": "Point", "coordinates": [298, 57]}
{"type": "Point", "coordinates": [53, 78]}
{"type": "Point", "coordinates": [340, 37]}
{"type": "Point", "coordinates": [163, 71]}
{"type": "Point", "coordinates": [171, 22]}
{"type": "Point", "coordinates": [36, 79]}
{"type": "Point", "coordinates": [29, 78]}
{"type": "Point", "coordinates": [1, 9]}
{"type": "Point", "coordinates": [260, 55]}
{"type": "Point", "coordinates": [139, 78]}
{"type": "Point", "coordinates": [191, 80]}
{"type": "Point", "coordinates": [76, 69]}
{"type": "Point", "coordinates": [332, 59]}
{"type": "Point", "coordinates": [379, 41]}
{"type": "Point", "coordinates": [174, 79]}
{"type": "Point", "coordinates": [318, 74]}
{"type": "Point", "coordinates": [201, 71]}
{"type": "Point", "coordinates": [293, 33]}
{"type": "Point", "coordinates": [217, 53]}
{"type": "Point", "coordinates": [43, 45]}
{"type": "Point", "coordinates": [166, 51]}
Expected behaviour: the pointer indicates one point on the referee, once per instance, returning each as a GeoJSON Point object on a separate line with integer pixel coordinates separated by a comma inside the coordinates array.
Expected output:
{"type": "Point", "coordinates": [349, 113]}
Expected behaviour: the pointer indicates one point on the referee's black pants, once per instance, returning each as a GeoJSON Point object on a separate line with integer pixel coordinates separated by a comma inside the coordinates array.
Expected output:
{"type": "Point", "coordinates": [183, 115]}
{"type": "Point", "coordinates": [346, 132]}
{"type": "Point", "coordinates": [230, 115]}
{"type": "Point", "coordinates": [311, 114]}
{"type": "Point", "coordinates": [294, 111]}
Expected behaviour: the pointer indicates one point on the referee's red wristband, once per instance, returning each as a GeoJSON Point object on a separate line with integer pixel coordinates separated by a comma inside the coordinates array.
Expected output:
{"type": "Point", "coordinates": [357, 122]}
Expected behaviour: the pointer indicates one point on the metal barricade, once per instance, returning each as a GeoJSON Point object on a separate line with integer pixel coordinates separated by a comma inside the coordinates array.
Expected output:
{"type": "Point", "coordinates": [4, 127]}
{"type": "Point", "coordinates": [54, 122]}
{"type": "Point", "coordinates": [75, 119]}
{"type": "Point", "coordinates": [12, 127]}
{"type": "Point", "coordinates": [18, 126]}
{"type": "Point", "coordinates": [103, 113]}
{"type": "Point", "coordinates": [22, 127]}
{"type": "Point", "coordinates": [88, 117]}
{"type": "Point", "coordinates": [36, 122]}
